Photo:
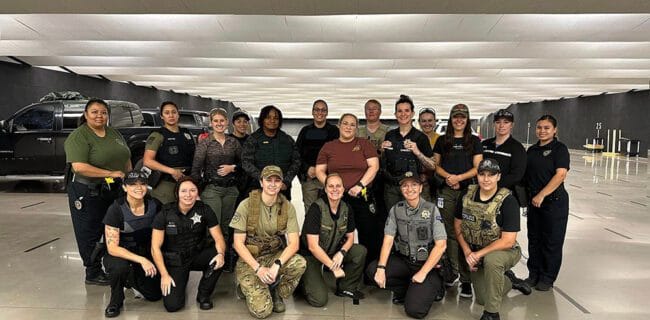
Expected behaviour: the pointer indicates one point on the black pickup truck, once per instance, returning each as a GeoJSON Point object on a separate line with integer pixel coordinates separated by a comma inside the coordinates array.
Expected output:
{"type": "Point", "coordinates": [196, 121]}
{"type": "Point", "coordinates": [31, 140]}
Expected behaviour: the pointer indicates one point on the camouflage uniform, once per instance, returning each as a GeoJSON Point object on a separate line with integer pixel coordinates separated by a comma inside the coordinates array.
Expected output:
{"type": "Point", "coordinates": [264, 240]}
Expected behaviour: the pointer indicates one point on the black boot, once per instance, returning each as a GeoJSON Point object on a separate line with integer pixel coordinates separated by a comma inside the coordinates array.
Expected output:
{"type": "Point", "coordinates": [517, 283]}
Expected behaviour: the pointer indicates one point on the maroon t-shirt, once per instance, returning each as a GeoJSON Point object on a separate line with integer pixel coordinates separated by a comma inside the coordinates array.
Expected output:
{"type": "Point", "coordinates": [348, 159]}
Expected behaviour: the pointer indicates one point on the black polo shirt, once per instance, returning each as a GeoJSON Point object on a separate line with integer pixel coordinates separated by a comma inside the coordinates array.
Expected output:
{"type": "Point", "coordinates": [511, 157]}
{"type": "Point", "coordinates": [184, 232]}
{"type": "Point", "coordinates": [393, 159]}
{"type": "Point", "coordinates": [543, 162]}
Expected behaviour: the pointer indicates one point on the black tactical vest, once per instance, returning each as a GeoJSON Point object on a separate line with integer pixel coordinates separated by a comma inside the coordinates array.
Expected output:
{"type": "Point", "coordinates": [185, 235]}
{"type": "Point", "coordinates": [136, 230]}
{"type": "Point", "coordinates": [177, 148]}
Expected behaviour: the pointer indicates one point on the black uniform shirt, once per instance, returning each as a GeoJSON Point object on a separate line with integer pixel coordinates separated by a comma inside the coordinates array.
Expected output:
{"type": "Point", "coordinates": [507, 216]}
{"type": "Point", "coordinates": [397, 153]}
{"type": "Point", "coordinates": [189, 231]}
{"type": "Point", "coordinates": [511, 157]}
{"type": "Point", "coordinates": [542, 163]}
{"type": "Point", "coordinates": [241, 140]}
{"type": "Point", "coordinates": [310, 140]}
{"type": "Point", "coordinates": [457, 160]}
{"type": "Point", "coordinates": [115, 218]}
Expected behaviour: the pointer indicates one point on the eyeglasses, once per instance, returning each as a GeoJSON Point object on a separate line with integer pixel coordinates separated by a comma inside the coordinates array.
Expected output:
{"type": "Point", "coordinates": [319, 110]}
{"type": "Point", "coordinates": [427, 110]}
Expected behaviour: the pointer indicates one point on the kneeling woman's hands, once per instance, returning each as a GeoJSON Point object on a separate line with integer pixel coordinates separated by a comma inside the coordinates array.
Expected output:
{"type": "Point", "coordinates": [166, 283]}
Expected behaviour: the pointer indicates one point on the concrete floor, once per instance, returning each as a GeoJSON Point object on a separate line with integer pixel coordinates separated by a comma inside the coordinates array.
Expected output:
{"type": "Point", "coordinates": [603, 277]}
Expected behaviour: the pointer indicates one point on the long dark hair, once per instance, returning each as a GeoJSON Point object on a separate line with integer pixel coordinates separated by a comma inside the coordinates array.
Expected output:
{"type": "Point", "coordinates": [90, 102]}
{"type": "Point", "coordinates": [448, 138]}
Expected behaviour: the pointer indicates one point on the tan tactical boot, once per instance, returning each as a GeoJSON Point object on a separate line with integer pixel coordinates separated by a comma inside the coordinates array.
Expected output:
{"type": "Point", "coordinates": [278, 303]}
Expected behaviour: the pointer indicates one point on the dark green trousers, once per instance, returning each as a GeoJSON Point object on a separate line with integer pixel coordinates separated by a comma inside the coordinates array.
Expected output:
{"type": "Point", "coordinates": [313, 282]}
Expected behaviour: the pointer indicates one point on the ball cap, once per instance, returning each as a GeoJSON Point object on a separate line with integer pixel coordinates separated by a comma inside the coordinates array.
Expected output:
{"type": "Point", "coordinates": [489, 164]}
{"type": "Point", "coordinates": [240, 114]}
{"type": "Point", "coordinates": [134, 176]}
{"type": "Point", "coordinates": [270, 171]}
{"type": "Point", "coordinates": [459, 109]}
{"type": "Point", "coordinates": [408, 175]}
{"type": "Point", "coordinates": [504, 114]}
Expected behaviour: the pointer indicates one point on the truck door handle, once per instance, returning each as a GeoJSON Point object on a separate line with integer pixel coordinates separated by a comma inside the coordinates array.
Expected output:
{"type": "Point", "coordinates": [48, 140]}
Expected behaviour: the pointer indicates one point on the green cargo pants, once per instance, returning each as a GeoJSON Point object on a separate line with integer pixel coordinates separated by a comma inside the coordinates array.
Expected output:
{"type": "Point", "coordinates": [447, 202]}
{"type": "Point", "coordinates": [313, 283]}
{"type": "Point", "coordinates": [490, 283]}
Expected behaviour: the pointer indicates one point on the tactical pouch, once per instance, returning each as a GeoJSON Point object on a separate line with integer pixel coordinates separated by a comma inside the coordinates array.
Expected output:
{"type": "Point", "coordinates": [259, 246]}
{"type": "Point", "coordinates": [422, 233]}
{"type": "Point", "coordinates": [422, 254]}
{"type": "Point", "coordinates": [403, 248]}
{"type": "Point", "coordinates": [173, 259]}
{"type": "Point", "coordinates": [154, 178]}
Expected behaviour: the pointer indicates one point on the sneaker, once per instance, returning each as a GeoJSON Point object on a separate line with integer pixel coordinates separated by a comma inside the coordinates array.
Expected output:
{"type": "Point", "coordinates": [278, 303]}
{"type": "Point", "coordinates": [518, 284]}
{"type": "Point", "coordinates": [451, 282]}
{"type": "Point", "coordinates": [490, 316]}
{"type": "Point", "coordinates": [100, 280]}
{"type": "Point", "coordinates": [543, 286]}
{"type": "Point", "coordinates": [465, 290]}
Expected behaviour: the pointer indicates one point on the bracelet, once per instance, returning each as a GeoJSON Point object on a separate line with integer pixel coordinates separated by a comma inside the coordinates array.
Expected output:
{"type": "Point", "coordinates": [343, 252]}
{"type": "Point", "coordinates": [360, 184]}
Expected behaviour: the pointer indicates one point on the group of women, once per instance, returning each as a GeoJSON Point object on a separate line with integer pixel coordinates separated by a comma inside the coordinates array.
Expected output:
{"type": "Point", "coordinates": [192, 234]}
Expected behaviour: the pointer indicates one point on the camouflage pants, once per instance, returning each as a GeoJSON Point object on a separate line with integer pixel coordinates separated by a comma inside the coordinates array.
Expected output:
{"type": "Point", "coordinates": [258, 296]}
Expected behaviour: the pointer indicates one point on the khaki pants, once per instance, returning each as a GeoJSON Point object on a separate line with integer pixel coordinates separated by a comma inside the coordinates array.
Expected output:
{"type": "Point", "coordinates": [258, 295]}
{"type": "Point", "coordinates": [450, 199]}
{"type": "Point", "coordinates": [222, 201]}
{"type": "Point", "coordinates": [313, 282]}
{"type": "Point", "coordinates": [310, 189]}
{"type": "Point", "coordinates": [490, 283]}
{"type": "Point", "coordinates": [164, 191]}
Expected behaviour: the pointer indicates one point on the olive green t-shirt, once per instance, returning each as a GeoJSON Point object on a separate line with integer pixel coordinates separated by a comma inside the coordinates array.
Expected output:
{"type": "Point", "coordinates": [154, 141]}
{"type": "Point", "coordinates": [109, 152]}
{"type": "Point", "coordinates": [268, 222]}
{"type": "Point", "coordinates": [376, 138]}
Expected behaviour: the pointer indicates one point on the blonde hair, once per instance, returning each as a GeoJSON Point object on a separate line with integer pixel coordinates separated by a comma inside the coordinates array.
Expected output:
{"type": "Point", "coordinates": [217, 111]}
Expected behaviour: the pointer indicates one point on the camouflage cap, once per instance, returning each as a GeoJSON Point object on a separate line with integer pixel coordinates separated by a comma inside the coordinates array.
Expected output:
{"type": "Point", "coordinates": [504, 114]}
{"type": "Point", "coordinates": [410, 175]}
{"type": "Point", "coordinates": [270, 171]}
{"type": "Point", "coordinates": [134, 176]}
{"type": "Point", "coordinates": [459, 109]}
{"type": "Point", "coordinates": [489, 164]}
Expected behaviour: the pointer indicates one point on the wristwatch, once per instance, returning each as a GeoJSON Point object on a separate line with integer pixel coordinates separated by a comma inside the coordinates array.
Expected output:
{"type": "Point", "coordinates": [380, 266]}
{"type": "Point", "coordinates": [343, 252]}
{"type": "Point", "coordinates": [278, 262]}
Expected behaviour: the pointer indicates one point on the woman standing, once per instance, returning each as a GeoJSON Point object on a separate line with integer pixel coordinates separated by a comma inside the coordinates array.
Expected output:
{"type": "Point", "coordinates": [128, 239]}
{"type": "Point", "coordinates": [97, 154]}
{"type": "Point", "coordinates": [269, 145]}
{"type": "Point", "coordinates": [168, 150]}
{"type": "Point", "coordinates": [548, 211]}
{"type": "Point", "coordinates": [457, 154]}
{"type": "Point", "coordinates": [178, 247]}
{"type": "Point", "coordinates": [215, 160]}
{"type": "Point", "coordinates": [355, 159]}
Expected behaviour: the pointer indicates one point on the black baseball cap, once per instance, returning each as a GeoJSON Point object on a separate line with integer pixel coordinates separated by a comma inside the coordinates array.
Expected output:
{"type": "Point", "coordinates": [240, 114]}
{"type": "Point", "coordinates": [134, 176]}
{"type": "Point", "coordinates": [409, 175]}
{"type": "Point", "coordinates": [504, 114]}
{"type": "Point", "coordinates": [489, 164]}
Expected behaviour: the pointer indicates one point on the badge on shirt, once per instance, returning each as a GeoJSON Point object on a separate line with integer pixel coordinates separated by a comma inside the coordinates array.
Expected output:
{"type": "Point", "coordinates": [356, 148]}
{"type": "Point", "coordinates": [426, 214]}
{"type": "Point", "coordinates": [173, 150]}
{"type": "Point", "coordinates": [441, 202]}
{"type": "Point", "coordinates": [187, 136]}
{"type": "Point", "coordinates": [546, 152]}
{"type": "Point", "coordinates": [196, 218]}
{"type": "Point", "coordinates": [120, 142]}
{"type": "Point", "coordinates": [77, 204]}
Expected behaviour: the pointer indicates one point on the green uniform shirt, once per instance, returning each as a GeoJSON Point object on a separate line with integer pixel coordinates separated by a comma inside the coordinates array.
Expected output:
{"type": "Point", "coordinates": [154, 141]}
{"type": "Point", "coordinates": [375, 138]}
{"type": "Point", "coordinates": [268, 222]}
{"type": "Point", "coordinates": [109, 152]}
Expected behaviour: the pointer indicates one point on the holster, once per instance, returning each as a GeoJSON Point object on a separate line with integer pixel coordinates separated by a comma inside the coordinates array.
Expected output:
{"type": "Point", "coordinates": [99, 251]}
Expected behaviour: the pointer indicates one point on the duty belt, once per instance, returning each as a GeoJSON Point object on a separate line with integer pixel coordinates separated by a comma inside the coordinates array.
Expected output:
{"type": "Point", "coordinates": [90, 183]}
